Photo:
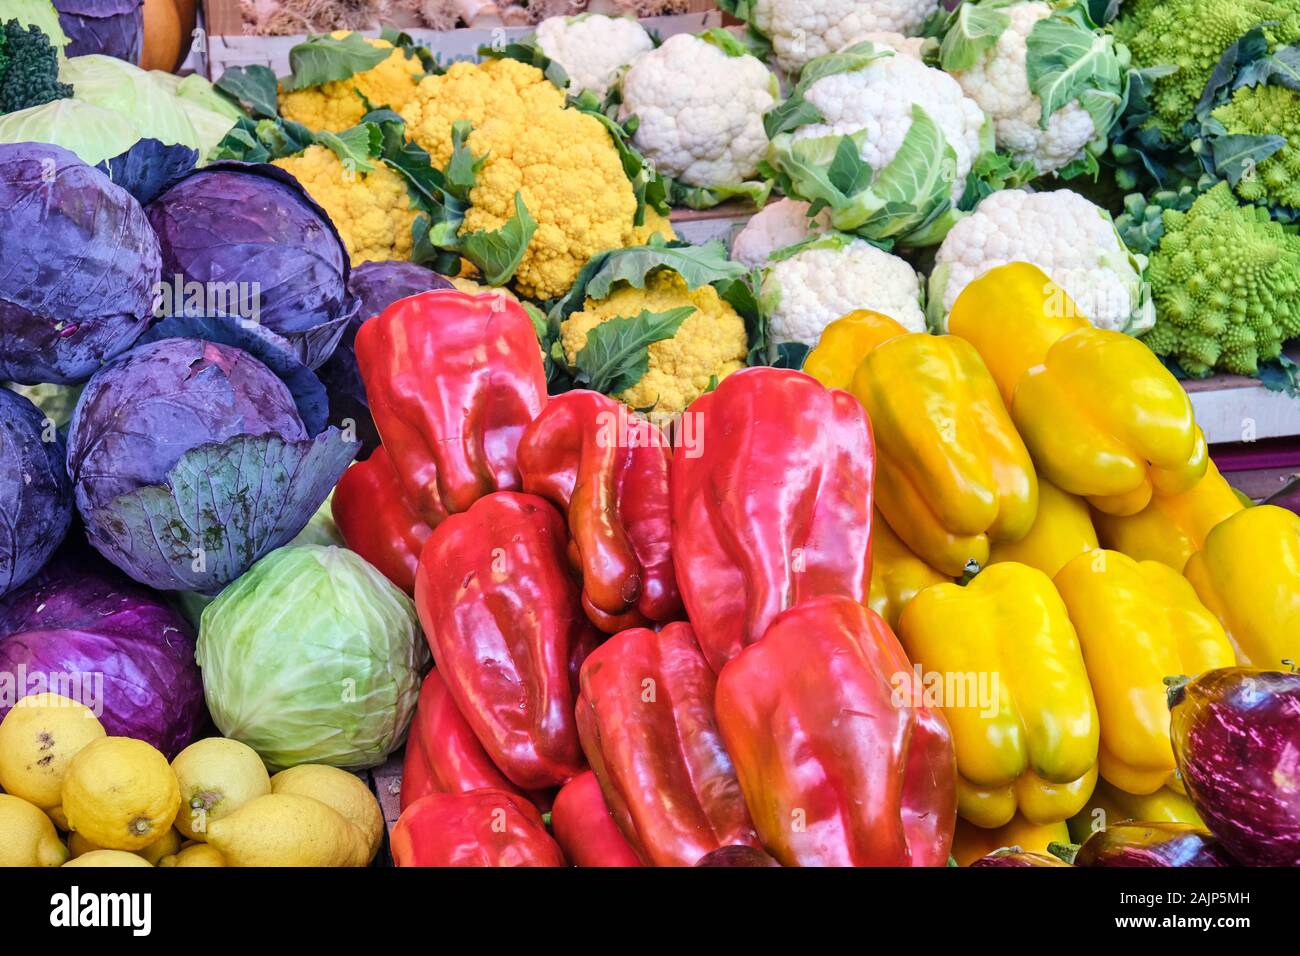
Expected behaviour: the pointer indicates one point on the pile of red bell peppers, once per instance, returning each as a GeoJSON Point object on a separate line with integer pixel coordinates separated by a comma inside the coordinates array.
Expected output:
{"type": "Point", "coordinates": [661, 645]}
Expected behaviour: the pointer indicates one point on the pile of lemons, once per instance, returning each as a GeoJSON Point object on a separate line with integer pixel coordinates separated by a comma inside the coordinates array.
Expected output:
{"type": "Point", "coordinates": [121, 803]}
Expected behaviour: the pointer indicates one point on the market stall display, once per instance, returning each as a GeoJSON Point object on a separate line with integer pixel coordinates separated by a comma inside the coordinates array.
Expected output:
{"type": "Point", "coordinates": [387, 481]}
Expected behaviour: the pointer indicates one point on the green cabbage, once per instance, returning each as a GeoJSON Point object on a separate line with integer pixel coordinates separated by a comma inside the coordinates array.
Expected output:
{"type": "Point", "coordinates": [115, 104]}
{"type": "Point", "coordinates": [312, 656]}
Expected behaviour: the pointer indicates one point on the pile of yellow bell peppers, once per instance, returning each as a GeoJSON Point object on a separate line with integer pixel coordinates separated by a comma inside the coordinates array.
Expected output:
{"type": "Point", "coordinates": [1061, 466]}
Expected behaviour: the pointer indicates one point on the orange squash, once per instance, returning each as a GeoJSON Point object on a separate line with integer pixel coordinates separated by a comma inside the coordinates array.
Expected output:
{"type": "Point", "coordinates": [162, 35]}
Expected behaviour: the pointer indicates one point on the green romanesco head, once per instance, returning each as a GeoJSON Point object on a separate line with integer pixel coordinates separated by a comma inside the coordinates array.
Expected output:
{"type": "Point", "coordinates": [1226, 283]}
{"type": "Point", "coordinates": [29, 69]}
{"type": "Point", "coordinates": [1262, 111]}
{"type": "Point", "coordinates": [1192, 35]}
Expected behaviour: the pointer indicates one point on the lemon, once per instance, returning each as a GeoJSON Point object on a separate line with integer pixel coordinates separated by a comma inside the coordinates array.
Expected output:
{"type": "Point", "coordinates": [217, 776]}
{"type": "Point", "coordinates": [38, 738]}
{"type": "Point", "coordinates": [341, 790]}
{"type": "Point", "coordinates": [27, 837]}
{"type": "Point", "coordinates": [286, 829]}
{"type": "Point", "coordinates": [120, 793]}
{"type": "Point", "coordinates": [58, 818]}
{"type": "Point", "coordinates": [166, 845]}
{"type": "Point", "coordinates": [108, 858]}
{"type": "Point", "coordinates": [200, 854]}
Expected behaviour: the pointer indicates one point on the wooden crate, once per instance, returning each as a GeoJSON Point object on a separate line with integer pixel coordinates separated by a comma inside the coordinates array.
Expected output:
{"type": "Point", "coordinates": [226, 46]}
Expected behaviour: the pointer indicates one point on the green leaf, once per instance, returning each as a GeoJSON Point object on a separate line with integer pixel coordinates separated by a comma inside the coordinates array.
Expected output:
{"type": "Point", "coordinates": [253, 88]}
{"type": "Point", "coordinates": [499, 252]}
{"type": "Point", "coordinates": [1068, 57]}
{"type": "Point", "coordinates": [324, 59]}
{"type": "Point", "coordinates": [617, 353]}
{"type": "Point", "coordinates": [1251, 46]}
{"type": "Point", "coordinates": [526, 50]}
{"type": "Point", "coordinates": [1280, 375]}
{"type": "Point", "coordinates": [463, 167]}
{"type": "Point", "coordinates": [1236, 156]}
{"type": "Point", "coordinates": [1280, 69]}
{"type": "Point", "coordinates": [724, 40]}
{"type": "Point", "coordinates": [706, 197]}
{"type": "Point", "coordinates": [975, 29]}
{"type": "Point", "coordinates": [697, 265]}
{"type": "Point", "coordinates": [911, 186]}
{"type": "Point", "coordinates": [357, 147]}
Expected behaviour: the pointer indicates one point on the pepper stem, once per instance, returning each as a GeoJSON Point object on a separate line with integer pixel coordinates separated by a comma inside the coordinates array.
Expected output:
{"type": "Point", "coordinates": [1177, 687]}
{"type": "Point", "coordinates": [1065, 852]}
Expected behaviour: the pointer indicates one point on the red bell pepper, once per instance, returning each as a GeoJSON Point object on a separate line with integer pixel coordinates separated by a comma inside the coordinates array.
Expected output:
{"type": "Point", "coordinates": [376, 522]}
{"type": "Point", "coordinates": [584, 827]}
{"type": "Point", "coordinates": [836, 769]}
{"type": "Point", "coordinates": [452, 381]}
{"type": "Point", "coordinates": [771, 503]}
{"type": "Point", "coordinates": [648, 728]}
{"type": "Point", "coordinates": [607, 470]}
{"type": "Point", "coordinates": [442, 753]}
{"type": "Point", "coordinates": [504, 620]}
{"type": "Point", "coordinates": [478, 828]}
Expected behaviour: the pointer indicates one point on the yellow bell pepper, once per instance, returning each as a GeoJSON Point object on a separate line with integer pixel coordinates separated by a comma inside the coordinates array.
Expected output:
{"type": "Point", "coordinates": [1248, 574]}
{"type": "Point", "coordinates": [1138, 623]}
{"type": "Point", "coordinates": [1062, 529]}
{"type": "Point", "coordinates": [1100, 415]}
{"type": "Point", "coordinates": [896, 573]}
{"type": "Point", "coordinates": [1109, 804]}
{"type": "Point", "coordinates": [951, 472]}
{"type": "Point", "coordinates": [970, 843]}
{"type": "Point", "coordinates": [1028, 742]}
{"type": "Point", "coordinates": [845, 343]}
{"type": "Point", "coordinates": [1172, 527]}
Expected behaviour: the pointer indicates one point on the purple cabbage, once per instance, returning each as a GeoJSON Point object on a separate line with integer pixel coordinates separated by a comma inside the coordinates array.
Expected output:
{"type": "Point", "coordinates": [111, 27]}
{"type": "Point", "coordinates": [35, 494]}
{"type": "Point", "coordinates": [81, 629]}
{"type": "Point", "coordinates": [257, 247]}
{"type": "Point", "coordinates": [78, 266]}
{"type": "Point", "coordinates": [1236, 737]}
{"type": "Point", "coordinates": [199, 451]}
{"type": "Point", "coordinates": [376, 286]}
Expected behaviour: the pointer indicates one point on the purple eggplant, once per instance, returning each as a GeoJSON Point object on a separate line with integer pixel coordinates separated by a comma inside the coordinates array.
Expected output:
{"type": "Point", "coordinates": [1148, 844]}
{"type": "Point", "coordinates": [1236, 737]}
{"type": "Point", "coordinates": [1014, 856]}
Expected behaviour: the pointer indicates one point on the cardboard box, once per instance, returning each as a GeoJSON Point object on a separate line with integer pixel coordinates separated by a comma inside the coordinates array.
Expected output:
{"type": "Point", "coordinates": [224, 44]}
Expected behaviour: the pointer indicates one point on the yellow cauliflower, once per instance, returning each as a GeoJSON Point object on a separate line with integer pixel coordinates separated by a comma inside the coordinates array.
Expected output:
{"type": "Point", "coordinates": [711, 342]}
{"type": "Point", "coordinates": [654, 225]}
{"type": "Point", "coordinates": [372, 211]}
{"type": "Point", "coordinates": [336, 106]}
{"type": "Point", "coordinates": [561, 161]}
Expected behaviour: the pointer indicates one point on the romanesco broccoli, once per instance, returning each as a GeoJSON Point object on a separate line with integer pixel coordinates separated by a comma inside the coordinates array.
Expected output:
{"type": "Point", "coordinates": [1226, 282]}
{"type": "Point", "coordinates": [1192, 35]}
{"type": "Point", "coordinates": [29, 69]}
{"type": "Point", "coordinates": [1267, 110]}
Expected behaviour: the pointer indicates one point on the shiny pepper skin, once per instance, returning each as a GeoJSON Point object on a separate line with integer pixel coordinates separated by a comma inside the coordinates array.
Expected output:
{"type": "Point", "coordinates": [772, 504]}
{"type": "Point", "coordinates": [1062, 529]}
{"type": "Point", "coordinates": [646, 715]}
{"type": "Point", "coordinates": [836, 769]}
{"type": "Point", "coordinates": [1172, 527]}
{"type": "Point", "coordinates": [477, 828]}
{"type": "Point", "coordinates": [953, 475]}
{"type": "Point", "coordinates": [376, 522]}
{"type": "Point", "coordinates": [1100, 415]}
{"type": "Point", "coordinates": [453, 380]}
{"type": "Point", "coordinates": [1248, 574]}
{"type": "Point", "coordinates": [504, 620]}
{"type": "Point", "coordinates": [1138, 623]}
{"type": "Point", "coordinates": [584, 827]}
{"type": "Point", "coordinates": [607, 470]}
{"type": "Point", "coordinates": [1031, 747]}
{"type": "Point", "coordinates": [897, 575]}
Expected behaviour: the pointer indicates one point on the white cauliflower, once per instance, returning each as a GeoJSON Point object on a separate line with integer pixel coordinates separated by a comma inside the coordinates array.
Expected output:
{"type": "Point", "coordinates": [1065, 235]}
{"type": "Point", "coordinates": [700, 110]}
{"type": "Point", "coordinates": [831, 277]}
{"type": "Point", "coordinates": [909, 46]}
{"type": "Point", "coordinates": [999, 83]}
{"type": "Point", "coordinates": [801, 30]}
{"type": "Point", "coordinates": [878, 99]}
{"type": "Point", "coordinates": [593, 48]}
{"type": "Point", "coordinates": [777, 225]}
